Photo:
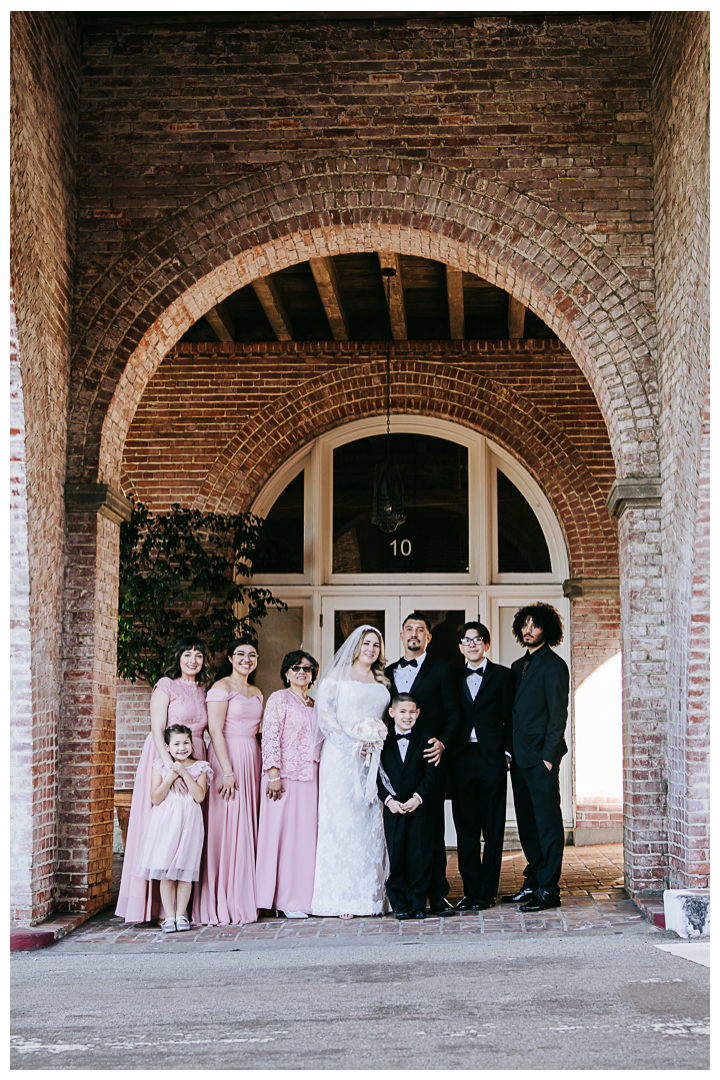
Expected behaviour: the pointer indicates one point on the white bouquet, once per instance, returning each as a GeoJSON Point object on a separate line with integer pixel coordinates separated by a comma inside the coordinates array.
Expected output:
{"type": "Point", "coordinates": [370, 731]}
{"type": "Point", "coordinates": [369, 735]}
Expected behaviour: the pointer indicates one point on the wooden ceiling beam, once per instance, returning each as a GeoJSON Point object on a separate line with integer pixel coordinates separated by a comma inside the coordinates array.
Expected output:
{"type": "Point", "coordinates": [456, 303]}
{"type": "Point", "coordinates": [269, 296]}
{"type": "Point", "coordinates": [516, 318]}
{"type": "Point", "coordinates": [396, 307]}
{"type": "Point", "coordinates": [221, 322]}
{"type": "Point", "coordinates": [327, 285]}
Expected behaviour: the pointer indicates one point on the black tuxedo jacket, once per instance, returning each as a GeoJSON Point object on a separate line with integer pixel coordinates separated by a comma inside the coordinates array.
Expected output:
{"type": "Point", "coordinates": [540, 709]}
{"type": "Point", "coordinates": [490, 714]}
{"type": "Point", "coordinates": [415, 774]}
{"type": "Point", "coordinates": [435, 689]}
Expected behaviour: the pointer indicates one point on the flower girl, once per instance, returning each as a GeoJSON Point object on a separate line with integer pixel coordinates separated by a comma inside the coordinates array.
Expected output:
{"type": "Point", "coordinates": [172, 842]}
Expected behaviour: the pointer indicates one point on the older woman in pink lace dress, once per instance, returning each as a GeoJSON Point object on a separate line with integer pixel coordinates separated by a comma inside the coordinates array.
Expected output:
{"type": "Point", "coordinates": [287, 835]}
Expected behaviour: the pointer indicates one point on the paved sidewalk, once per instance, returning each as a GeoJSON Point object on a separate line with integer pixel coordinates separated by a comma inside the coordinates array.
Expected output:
{"type": "Point", "coordinates": [593, 901]}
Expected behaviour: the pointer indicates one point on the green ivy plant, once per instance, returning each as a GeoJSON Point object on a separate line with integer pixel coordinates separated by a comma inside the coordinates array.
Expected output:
{"type": "Point", "coordinates": [182, 573]}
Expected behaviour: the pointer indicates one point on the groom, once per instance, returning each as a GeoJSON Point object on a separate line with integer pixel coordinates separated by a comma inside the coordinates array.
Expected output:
{"type": "Point", "coordinates": [434, 686]}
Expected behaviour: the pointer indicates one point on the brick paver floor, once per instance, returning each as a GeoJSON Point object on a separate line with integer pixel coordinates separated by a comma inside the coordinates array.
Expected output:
{"type": "Point", "coordinates": [593, 901]}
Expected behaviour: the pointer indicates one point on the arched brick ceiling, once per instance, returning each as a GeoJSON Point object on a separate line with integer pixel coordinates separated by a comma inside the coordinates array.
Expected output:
{"type": "Point", "coordinates": [137, 311]}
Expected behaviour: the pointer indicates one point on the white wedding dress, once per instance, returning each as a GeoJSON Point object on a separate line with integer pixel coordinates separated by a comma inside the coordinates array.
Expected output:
{"type": "Point", "coordinates": [351, 865]}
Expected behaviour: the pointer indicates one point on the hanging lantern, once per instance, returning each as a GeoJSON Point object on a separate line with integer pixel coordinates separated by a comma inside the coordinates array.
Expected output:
{"type": "Point", "coordinates": [388, 495]}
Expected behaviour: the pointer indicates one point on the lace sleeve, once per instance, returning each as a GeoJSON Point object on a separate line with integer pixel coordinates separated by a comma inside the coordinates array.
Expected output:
{"type": "Point", "coordinates": [273, 719]}
{"type": "Point", "coordinates": [329, 722]}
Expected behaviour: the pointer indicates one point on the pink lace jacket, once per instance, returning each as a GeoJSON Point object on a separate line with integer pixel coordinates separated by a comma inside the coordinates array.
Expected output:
{"type": "Point", "coordinates": [287, 737]}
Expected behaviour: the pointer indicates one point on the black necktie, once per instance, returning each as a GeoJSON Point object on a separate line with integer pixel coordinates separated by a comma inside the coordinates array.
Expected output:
{"type": "Point", "coordinates": [526, 665]}
{"type": "Point", "coordinates": [408, 663]}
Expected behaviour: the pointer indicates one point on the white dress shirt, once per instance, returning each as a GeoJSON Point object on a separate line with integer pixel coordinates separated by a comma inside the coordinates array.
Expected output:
{"type": "Point", "coordinates": [403, 741]}
{"type": "Point", "coordinates": [406, 676]}
{"type": "Point", "coordinates": [474, 682]}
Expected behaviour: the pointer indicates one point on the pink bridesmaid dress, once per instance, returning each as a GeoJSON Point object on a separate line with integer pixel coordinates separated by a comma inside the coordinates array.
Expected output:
{"type": "Point", "coordinates": [287, 835]}
{"type": "Point", "coordinates": [139, 900]}
{"type": "Point", "coordinates": [227, 893]}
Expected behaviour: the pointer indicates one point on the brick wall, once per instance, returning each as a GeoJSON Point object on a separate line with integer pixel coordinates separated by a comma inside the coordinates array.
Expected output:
{"type": "Point", "coordinates": [45, 53]}
{"type": "Point", "coordinates": [556, 107]}
{"type": "Point", "coordinates": [22, 810]}
{"type": "Point", "coordinates": [131, 729]}
{"type": "Point", "coordinates": [87, 713]}
{"type": "Point", "coordinates": [681, 180]}
{"type": "Point", "coordinates": [217, 420]}
{"type": "Point", "coordinates": [600, 813]}
{"type": "Point", "coordinates": [517, 148]}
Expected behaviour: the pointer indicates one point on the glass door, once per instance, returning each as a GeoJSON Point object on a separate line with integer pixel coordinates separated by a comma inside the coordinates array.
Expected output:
{"type": "Point", "coordinates": [343, 613]}
{"type": "Point", "coordinates": [446, 612]}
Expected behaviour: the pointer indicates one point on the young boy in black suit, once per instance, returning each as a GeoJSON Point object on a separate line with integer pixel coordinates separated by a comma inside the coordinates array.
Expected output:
{"type": "Point", "coordinates": [405, 781]}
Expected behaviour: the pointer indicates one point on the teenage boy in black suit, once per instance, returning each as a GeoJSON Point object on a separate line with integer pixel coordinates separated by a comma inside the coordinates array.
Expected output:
{"type": "Point", "coordinates": [540, 710]}
{"type": "Point", "coordinates": [432, 682]}
{"type": "Point", "coordinates": [405, 781]}
{"type": "Point", "coordinates": [478, 767]}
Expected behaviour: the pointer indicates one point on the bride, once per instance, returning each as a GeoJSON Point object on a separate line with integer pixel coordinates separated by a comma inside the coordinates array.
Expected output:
{"type": "Point", "coordinates": [351, 863]}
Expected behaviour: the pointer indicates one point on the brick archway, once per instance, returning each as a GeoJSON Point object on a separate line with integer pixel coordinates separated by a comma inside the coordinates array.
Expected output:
{"type": "Point", "coordinates": [351, 393]}
{"type": "Point", "coordinates": [137, 311]}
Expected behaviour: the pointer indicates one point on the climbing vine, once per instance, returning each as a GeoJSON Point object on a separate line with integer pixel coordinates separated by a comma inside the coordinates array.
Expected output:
{"type": "Point", "coordinates": [184, 572]}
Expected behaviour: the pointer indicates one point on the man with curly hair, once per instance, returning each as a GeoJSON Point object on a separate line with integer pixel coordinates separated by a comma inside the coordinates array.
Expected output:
{"type": "Point", "coordinates": [539, 716]}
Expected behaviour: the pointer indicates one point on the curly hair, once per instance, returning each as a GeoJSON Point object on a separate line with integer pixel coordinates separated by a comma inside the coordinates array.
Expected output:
{"type": "Point", "coordinates": [543, 615]}
{"type": "Point", "coordinates": [172, 668]}
{"type": "Point", "coordinates": [378, 668]}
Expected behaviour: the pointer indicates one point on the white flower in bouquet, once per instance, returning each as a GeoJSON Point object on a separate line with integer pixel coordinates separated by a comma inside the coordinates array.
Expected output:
{"type": "Point", "coordinates": [369, 730]}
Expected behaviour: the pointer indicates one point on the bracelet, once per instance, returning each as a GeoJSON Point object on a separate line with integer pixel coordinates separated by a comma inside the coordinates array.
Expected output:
{"type": "Point", "coordinates": [229, 774]}
{"type": "Point", "coordinates": [274, 779]}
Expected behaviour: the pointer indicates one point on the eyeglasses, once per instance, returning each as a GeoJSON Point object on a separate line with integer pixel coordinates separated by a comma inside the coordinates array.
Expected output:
{"type": "Point", "coordinates": [244, 656]}
{"type": "Point", "coordinates": [302, 667]}
{"type": "Point", "coordinates": [471, 641]}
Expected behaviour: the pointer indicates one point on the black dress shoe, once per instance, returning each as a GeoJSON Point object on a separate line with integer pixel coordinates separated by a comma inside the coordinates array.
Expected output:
{"type": "Point", "coordinates": [401, 914]}
{"type": "Point", "coordinates": [417, 915]}
{"type": "Point", "coordinates": [483, 905]}
{"type": "Point", "coordinates": [522, 894]}
{"type": "Point", "coordinates": [469, 905]}
{"type": "Point", "coordinates": [542, 900]}
{"type": "Point", "coordinates": [442, 909]}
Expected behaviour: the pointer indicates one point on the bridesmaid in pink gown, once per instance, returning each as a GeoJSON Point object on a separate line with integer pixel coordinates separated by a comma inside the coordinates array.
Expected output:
{"type": "Point", "coordinates": [178, 698]}
{"type": "Point", "coordinates": [227, 894]}
{"type": "Point", "coordinates": [287, 834]}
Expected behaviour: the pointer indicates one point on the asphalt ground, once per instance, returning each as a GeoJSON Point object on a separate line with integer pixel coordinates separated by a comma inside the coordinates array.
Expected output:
{"type": "Point", "coordinates": [606, 1000]}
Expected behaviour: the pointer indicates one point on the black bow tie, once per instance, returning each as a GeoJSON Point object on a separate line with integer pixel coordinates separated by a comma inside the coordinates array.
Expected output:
{"type": "Point", "coordinates": [408, 663]}
{"type": "Point", "coordinates": [474, 671]}
{"type": "Point", "coordinates": [404, 735]}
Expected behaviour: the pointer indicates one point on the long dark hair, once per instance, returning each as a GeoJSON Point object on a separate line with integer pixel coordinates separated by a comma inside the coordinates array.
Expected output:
{"type": "Point", "coordinates": [172, 668]}
{"type": "Point", "coordinates": [543, 615]}
{"type": "Point", "coordinates": [226, 667]}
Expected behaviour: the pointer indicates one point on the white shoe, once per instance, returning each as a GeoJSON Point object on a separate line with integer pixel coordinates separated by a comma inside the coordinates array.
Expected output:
{"type": "Point", "coordinates": [168, 926]}
{"type": "Point", "coordinates": [295, 915]}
